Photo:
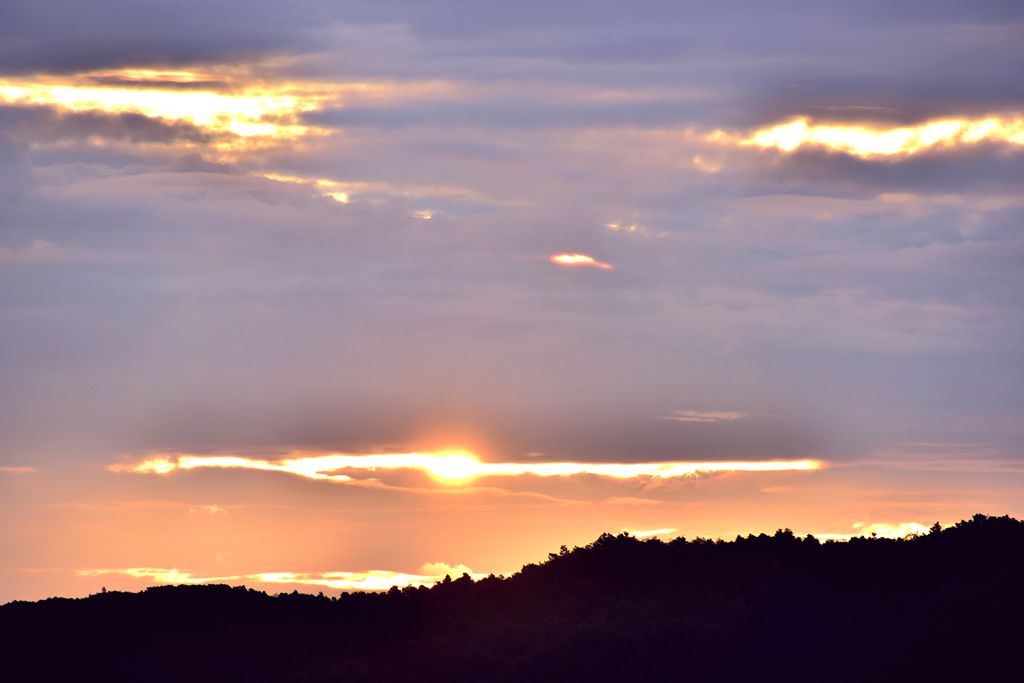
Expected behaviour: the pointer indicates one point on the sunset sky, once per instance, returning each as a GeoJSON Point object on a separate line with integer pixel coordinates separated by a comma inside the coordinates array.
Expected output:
{"type": "Point", "coordinates": [338, 295]}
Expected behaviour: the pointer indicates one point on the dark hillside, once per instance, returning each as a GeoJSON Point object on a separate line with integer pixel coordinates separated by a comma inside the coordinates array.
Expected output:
{"type": "Point", "coordinates": [945, 606]}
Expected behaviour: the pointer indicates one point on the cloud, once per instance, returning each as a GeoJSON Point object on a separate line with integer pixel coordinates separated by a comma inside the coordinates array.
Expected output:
{"type": "Point", "coordinates": [703, 416]}
{"type": "Point", "coordinates": [142, 111]}
{"type": "Point", "coordinates": [212, 509]}
{"type": "Point", "coordinates": [524, 110]}
{"type": "Point", "coordinates": [634, 229]}
{"type": "Point", "coordinates": [344, 192]}
{"type": "Point", "coordinates": [976, 460]}
{"type": "Point", "coordinates": [573, 259]}
{"type": "Point", "coordinates": [49, 125]}
{"type": "Point", "coordinates": [871, 142]}
{"type": "Point", "coordinates": [862, 318]}
{"type": "Point", "coordinates": [451, 467]}
{"type": "Point", "coordinates": [16, 176]}
{"type": "Point", "coordinates": [54, 37]}
{"type": "Point", "coordinates": [42, 252]}
{"type": "Point", "coordinates": [17, 469]}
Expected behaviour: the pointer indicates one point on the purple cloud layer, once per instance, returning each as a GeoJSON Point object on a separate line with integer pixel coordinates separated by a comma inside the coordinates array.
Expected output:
{"type": "Point", "coordinates": [154, 296]}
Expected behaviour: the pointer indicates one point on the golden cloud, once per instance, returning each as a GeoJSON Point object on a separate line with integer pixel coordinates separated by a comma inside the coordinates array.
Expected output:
{"type": "Point", "coordinates": [871, 142]}
{"type": "Point", "coordinates": [239, 110]}
{"type": "Point", "coordinates": [250, 111]}
{"type": "Point", "coordinates": [451, 466]}
{"type": "Point", "coordinates": [579, 260]}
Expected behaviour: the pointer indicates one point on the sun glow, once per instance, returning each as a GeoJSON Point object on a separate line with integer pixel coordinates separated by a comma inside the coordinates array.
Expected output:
{"type": "Point", "coordinates": [869, 142]}
{"type": "Point", "coordinates": [878, 529]}
{"type": "Point", "coordinates": [579, 260]}
{"type": "Point", "coordinates": [453, 466]}
{"type": "Point", "coordinates": [370, 580]}
{"type": "Point", "coordinates": [650, 533]}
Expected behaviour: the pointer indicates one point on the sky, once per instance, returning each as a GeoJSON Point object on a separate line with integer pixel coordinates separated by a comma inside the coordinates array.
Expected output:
{"type": "Point", "coordinates": [345, 295]}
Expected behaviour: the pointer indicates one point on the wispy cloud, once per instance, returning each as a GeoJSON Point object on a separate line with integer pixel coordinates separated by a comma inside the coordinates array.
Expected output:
{"type": "Point", "coordinates": [965, 465]}
{"type": "Point", "coordinates": [212, 509]}
{"type": "Point", "coordinates": [982, 458]}
{"type": "Point", "coordinates": [634, 229]}
{"type": "Point", "coordinates": [703, 416]}
{"type": "Point", "coordinates": [17, 470]}
{"type": "Point", "coordinates": [344, 191]}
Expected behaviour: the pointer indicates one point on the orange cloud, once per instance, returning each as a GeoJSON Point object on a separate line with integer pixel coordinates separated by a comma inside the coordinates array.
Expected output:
{"type": "Point", "coordinates": [579, 260]}
{"type": "Point", "coordinates": [869, 142]}
{"type": "Point", "coordinates": [452, 466]}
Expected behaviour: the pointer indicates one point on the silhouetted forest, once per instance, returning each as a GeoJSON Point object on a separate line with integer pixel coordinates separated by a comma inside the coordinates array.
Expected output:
{"type": "Point", "coordinates": [948, 605]}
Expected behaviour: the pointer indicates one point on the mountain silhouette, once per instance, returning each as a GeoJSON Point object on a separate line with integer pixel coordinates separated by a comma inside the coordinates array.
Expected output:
{"type": "Point", "coordinates": [947, 605]}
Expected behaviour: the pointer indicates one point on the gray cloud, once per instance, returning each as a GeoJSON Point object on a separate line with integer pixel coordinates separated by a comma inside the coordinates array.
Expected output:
{"type": "Point", "coordinates": [15, 170]}
{"type": "Point", "coordinates": [46, 124]}
{"type": "Point", "coordinates": [514, 114]}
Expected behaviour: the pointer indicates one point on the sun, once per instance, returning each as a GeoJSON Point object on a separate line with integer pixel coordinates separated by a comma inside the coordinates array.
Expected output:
{"type": "Point", "coordinates": [453, 466]}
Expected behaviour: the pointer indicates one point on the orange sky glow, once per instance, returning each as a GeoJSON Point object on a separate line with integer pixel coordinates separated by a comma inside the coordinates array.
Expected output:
{"type": "Point", "coordinates": [430, 512]}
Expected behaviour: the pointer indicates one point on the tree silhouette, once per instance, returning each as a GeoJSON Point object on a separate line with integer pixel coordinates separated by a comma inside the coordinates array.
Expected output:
{"type": "Point", "coordinates": [764, 607]}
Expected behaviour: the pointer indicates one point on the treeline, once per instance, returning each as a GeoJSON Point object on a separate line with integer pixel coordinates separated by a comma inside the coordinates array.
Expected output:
{"type": "Point", "coordinates": [948, 605]}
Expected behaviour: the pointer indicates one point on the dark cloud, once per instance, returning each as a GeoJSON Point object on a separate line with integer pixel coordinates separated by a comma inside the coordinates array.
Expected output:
{"type": "Point", "coordinates": [159, 84]}
{"type": "Point", "coordinates": [55, 36]}
{"type": "Point", "coordinates": [986, 168]}
{"type": "Point", "coordinates": [15, 170]}
{"type": "Point", "coordinates": [751, 62]}
{"type": "Point", "coordinates": [512, 114]}
{"type": "Point", "coordinates": [49, 125]}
